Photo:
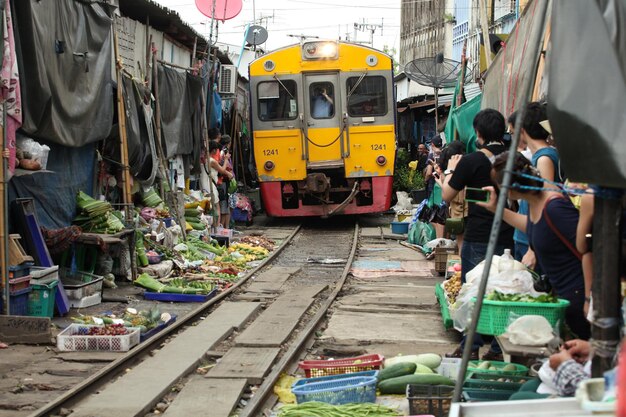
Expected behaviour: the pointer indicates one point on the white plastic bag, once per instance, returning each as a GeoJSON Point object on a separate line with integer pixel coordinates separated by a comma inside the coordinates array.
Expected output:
{"type": "Point", "coordinates": [530, 330]}
{"type": "Point", "coordinates": [404, 202]}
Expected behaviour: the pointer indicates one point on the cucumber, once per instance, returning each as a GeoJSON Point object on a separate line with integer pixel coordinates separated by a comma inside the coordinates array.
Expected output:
{"type": "Point", "coordinates": [405, 368]}
{"type": "Point", "coordinates": [398, 384]}
{"type": "Point", "coordinates": [432, 360]}
{"type": "Point", "coordinates": [422, 369]}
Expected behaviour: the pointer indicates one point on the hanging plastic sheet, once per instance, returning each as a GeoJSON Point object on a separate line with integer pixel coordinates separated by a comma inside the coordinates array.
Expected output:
{"type": "Point", "coordinates": [140, 136]}
{"type": "Point", "coordinates": [586, 97]}
{"type": "Point", "coordinates": [64, 56]}
{"type": "Point", "coordinates": [69, 170]}
{"type": "Point", "coordinates": [179, 94]}
{"type": "Point", "coordinates": [513, 68]}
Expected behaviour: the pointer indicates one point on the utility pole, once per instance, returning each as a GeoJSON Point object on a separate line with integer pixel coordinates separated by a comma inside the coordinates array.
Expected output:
{"type": "Point", "coordinates": [368, 27]}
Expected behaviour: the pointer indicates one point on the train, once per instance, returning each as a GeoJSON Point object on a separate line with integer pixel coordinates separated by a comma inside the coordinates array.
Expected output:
{"type": "Point", "coordinates": [323, 129]}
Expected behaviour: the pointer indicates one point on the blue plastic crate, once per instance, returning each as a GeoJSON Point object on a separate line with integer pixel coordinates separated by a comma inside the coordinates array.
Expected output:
{"type": "Point", "coordinates": [18, 305]}
{"type": "Point", "coordinates": [147, 335]}
{"type": "Point", "coordinates": [338, 391]}
{"type": "Point", "coordinates": [179, 298]}
{"type": "Point", "coordinates": [304, 381]}
{"type": "Point", "coordinates": [19, 271]}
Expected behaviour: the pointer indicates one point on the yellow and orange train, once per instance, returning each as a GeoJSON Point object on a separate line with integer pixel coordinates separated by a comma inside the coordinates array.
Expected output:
{"type": "Point", "coordinates": [324, 129]}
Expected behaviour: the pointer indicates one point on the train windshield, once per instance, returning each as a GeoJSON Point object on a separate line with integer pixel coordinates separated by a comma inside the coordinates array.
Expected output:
{"type": "Point", "coordinates": [369, 96]}
{"type": "Point", "coordinates": [277, 100]}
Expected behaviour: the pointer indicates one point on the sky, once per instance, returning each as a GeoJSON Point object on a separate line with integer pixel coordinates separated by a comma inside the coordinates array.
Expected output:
{"type": "Point", "coordinates": [328, 19]}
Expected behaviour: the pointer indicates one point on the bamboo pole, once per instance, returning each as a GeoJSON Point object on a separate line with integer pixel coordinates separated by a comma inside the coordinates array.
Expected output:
{"type": "Point", "coordinates": [484, 23]}
{"type": "Point", "coordinates": [121, 114]}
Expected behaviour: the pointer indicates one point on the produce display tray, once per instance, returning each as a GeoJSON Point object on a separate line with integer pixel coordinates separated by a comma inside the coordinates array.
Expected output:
{"type": "Point", "coordinates": [520, 370]}
{"type": "Point", "coordinates": [443, 304]}
{"type": "Point", "coordinates": [179, 298]}
{"type": "Point", "coordinates": [341, 366]}
{"type": "Point", "coordinates": [88, 301]}
{"type": "Point", "coordinates": [473, 395]}
{"type": "Point", "coordinates": [338, 391]}
{"type": "Point", "coordinates": [432, 400]}
{"type": "Point", "coordinates": [74, 338]}
{"type": "Point", "coordinates": [147, 335]}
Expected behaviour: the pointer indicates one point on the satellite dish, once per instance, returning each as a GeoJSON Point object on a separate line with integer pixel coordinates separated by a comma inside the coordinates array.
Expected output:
{"type": "Point", "coordinates": [257, 35]}
{"type": "Point", "coordinates": [224, 9]}
{"type": "Point", "coordinates": [436, 72]}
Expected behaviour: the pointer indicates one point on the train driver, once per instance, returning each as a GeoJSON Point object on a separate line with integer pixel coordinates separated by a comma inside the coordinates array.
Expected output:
{"type": "Point", "coordinates": [322, 104]}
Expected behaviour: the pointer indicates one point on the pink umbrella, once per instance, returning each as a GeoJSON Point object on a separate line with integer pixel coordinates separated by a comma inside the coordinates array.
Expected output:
{"type": "Point", "coordinates": [224, 9]}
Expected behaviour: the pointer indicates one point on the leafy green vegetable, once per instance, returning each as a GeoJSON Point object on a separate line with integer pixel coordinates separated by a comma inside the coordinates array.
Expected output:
{"type": "Point", "coordinates": [523, 298]}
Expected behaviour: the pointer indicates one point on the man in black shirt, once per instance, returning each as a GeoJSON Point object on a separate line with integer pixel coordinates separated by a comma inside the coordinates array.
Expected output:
{"type": "Point", "coordinates": [474, 170]}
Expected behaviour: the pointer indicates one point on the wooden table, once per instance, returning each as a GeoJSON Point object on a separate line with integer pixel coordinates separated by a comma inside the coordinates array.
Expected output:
{"type": "Point", "coordinates": [103, 240]}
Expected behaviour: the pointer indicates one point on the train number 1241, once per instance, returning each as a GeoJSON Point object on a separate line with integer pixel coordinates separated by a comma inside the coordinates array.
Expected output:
{"type": "Point", "coordinates": [378, 147]}
{"type": "Point", "coordinates": [268, 152]}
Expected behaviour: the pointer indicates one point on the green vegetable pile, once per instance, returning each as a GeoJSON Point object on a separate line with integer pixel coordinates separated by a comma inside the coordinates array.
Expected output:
{"type": "Point", "coordinates": [197, 245]}
{"type": "Point", "coordinates": [96, 216]}
{"type": "Point", "coordinates": [522, 298]}
{"type": "Point", "coordinates": [176, 286]}
{"type": "Point", "coordinates": [318, 409]}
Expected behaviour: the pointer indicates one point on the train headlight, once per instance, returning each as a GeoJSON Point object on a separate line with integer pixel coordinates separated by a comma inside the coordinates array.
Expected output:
{"type": "Point", "coordinates": [320, 50]}
{"type": "Point", "coordinates": [381, 160]}
{"type": "Point", "coordinates": [269, 165]}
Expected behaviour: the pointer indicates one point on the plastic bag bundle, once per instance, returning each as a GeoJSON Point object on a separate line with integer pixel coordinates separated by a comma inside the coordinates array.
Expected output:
{"type": "Point", "coordinates": [530, 330]}
{"type": "Point", "coordinates": [404, 202]}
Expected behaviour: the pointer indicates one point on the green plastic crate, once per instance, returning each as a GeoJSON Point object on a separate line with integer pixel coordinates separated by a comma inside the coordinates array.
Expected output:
{"type": "Point", "coordinates": [519, 369]}
{"type": "Point", "coordinates": [443, 304]}
{"type": "Point", "coordinates": [491, 385]}
{"type": "Point", "coordinates": [479, 395]}
{"type": "Point", "coordinates": [41, 299]}
{"type": "Point", "coordinates": [494, 315]}
{"type": "Point", "coordinates": [518, 379]}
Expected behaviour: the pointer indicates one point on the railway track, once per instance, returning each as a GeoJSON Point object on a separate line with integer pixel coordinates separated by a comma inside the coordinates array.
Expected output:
{"type": "Point", "coordinates": [240, 341]}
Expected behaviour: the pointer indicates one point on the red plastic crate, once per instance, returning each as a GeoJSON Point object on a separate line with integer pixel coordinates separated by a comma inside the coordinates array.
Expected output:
{"type": "Point", "coordinates": [19, 284]}
{"type": "Point", "coordinates": [341, 366]}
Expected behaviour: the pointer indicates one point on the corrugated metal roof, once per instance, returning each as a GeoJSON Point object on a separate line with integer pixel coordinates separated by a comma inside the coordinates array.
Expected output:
{"type": "Point", "coordinates": [471, 90]}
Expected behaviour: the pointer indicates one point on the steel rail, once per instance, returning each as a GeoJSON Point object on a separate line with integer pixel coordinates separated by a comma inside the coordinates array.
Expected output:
{"type": "Point", "coordinates": [262, 397]}
{"type": "Point", "coordinates": [96, 380]}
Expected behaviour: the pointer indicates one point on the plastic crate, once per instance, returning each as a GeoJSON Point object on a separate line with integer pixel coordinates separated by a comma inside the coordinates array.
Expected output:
{"type": "Point", "coordinates": [341, 366]}
{"type": "Point", "coordinates": [79, 284]}
{"type": "Point", "coordinates": [441, 258]}
{"type": "Point", "coordinates": [479, 395]}
{"type": "Point", "coordinates": [338, 391]}
{"type": "Point", "coordinates": [41, 299]}
{"type": "Point", "coordinates": [18, 302]}
{"type": "Point", "coordinates": [19, 271]}
{"type": "Point", "coordinates": [429, 399]}
{"type": "Point", "coordinates": [304, 381]}
{"type": "Point", "coordinates": [74, 338]}
{"type": "Point", "coordinates": [486, 384]}
{"type": "Point", "coordinates": [493, 377]}
{"type": "Point", "coordinates": [443, 305]}
{"type": "Point", "coordinates": [449, 367]}
{"type": "Point", "coordinates": [18, 284]}
{"type": "Point", "coordinates": [494, 315]}
{"type": "Point", "coordinates": [179, 298]}
{"type": "Point", "coordinates": [44, 275]}
{"type": "Point", "coordinates": [88, 301]}
{"type": "Point", "coordinates": [519, 369]}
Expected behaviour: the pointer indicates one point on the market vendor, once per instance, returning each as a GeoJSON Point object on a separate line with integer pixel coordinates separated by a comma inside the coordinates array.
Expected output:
{"type": "Point", "coordinates": [551, 229]}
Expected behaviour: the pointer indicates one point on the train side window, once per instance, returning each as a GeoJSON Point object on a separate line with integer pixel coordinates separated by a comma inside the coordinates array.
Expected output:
{"type": "Point", "coordinates": [322, 96]}
{"type": "Point", "coordinates": [277, 100]}
{"type": "Point", "coordinates": [369, 98]}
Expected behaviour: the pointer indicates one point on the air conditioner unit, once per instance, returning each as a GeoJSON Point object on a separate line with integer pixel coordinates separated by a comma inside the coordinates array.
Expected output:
{"type": "Point", "coordinates": [228, 80]}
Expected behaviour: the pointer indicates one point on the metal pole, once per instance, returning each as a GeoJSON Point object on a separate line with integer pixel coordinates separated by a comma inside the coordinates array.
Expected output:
{"type": "Point", "coordinates": [606, 289]}
{"type": "Point", "coordinates": [536, 44]}
{"type": "Point", "coordinates": [5, 214]}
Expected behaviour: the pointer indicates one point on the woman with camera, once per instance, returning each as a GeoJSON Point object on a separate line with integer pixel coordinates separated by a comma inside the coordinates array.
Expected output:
{"type": "Point", "coordinates": [551, 228]}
